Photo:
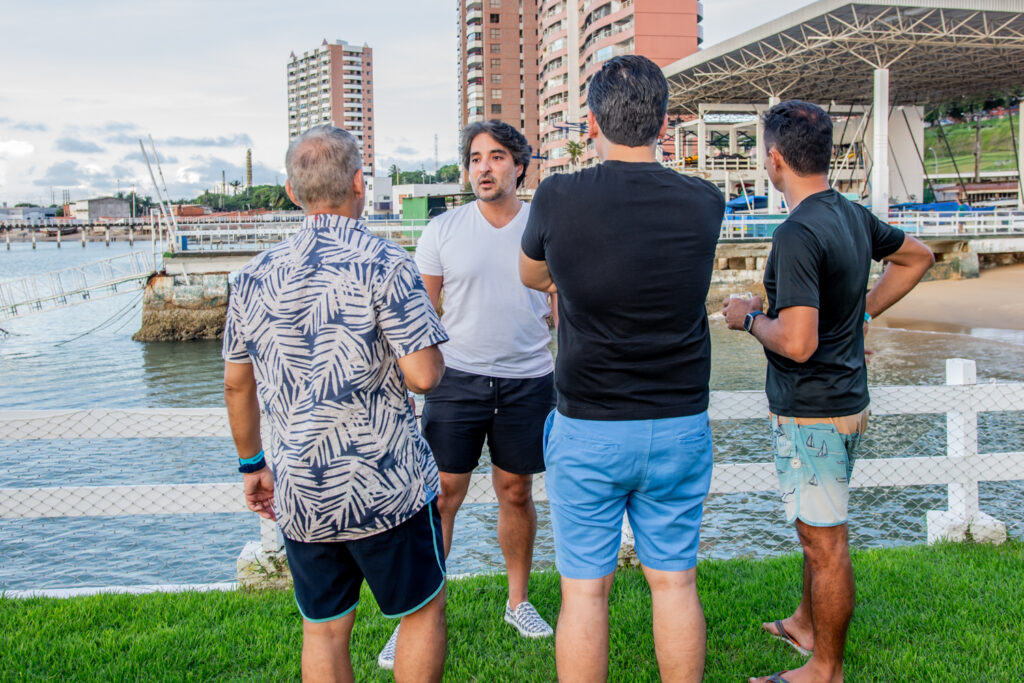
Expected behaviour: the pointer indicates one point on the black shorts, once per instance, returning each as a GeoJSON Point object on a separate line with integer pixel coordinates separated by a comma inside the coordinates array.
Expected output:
{"type": "Point", "coordinates": [404, 567]}
{"type": "Point", "coordinates": [465, 408]}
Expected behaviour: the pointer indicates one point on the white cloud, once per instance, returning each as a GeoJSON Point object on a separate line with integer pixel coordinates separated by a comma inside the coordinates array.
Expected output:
{"type": "Point", "coordinates": [15, 148]}
{"type": "Point", "coordinates": [185, 174]}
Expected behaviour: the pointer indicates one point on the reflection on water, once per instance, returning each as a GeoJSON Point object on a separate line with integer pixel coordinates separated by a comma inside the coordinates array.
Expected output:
{"type": "Point", "coordinates": [989, 333]}
{"type": "Point", "coordinates": [72, 359]}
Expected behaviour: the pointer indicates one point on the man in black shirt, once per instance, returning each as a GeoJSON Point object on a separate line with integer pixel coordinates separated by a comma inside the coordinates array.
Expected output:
{"type": "Point", "coordinates": [629, 246]}
{"type": "Point", "coordinates": [813, 334]}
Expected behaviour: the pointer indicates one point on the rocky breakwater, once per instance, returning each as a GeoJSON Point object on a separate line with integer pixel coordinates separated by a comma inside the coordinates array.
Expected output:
{"type": "Point", "coordinates": [183, 307]}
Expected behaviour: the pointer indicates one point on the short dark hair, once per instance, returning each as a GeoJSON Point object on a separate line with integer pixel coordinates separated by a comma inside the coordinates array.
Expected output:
{"type": "Point", "coordinates": [802, 132]}
{"type": "Point", "coordinates": [506, 136]}
{"type": "Point", "coordinates": [629, 98]}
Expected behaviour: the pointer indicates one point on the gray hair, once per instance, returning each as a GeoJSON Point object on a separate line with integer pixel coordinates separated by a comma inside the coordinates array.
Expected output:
{"type": "Point", "coordinates": [321, 164]}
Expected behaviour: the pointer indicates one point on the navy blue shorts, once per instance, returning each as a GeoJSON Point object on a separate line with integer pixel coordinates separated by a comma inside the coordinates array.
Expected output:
{"type": "Point", "coordinates": [403, 566]}
{"type": "Point", "coordinates": [465, 409]}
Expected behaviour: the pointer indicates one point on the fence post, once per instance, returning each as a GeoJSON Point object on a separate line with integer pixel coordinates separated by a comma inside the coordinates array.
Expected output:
{"type": "Point", "coordinates": [270, 538]}
{"type": "Point", "coordinates": [962, 439]}
{"type": "Point", "coordinates": [963, 515]}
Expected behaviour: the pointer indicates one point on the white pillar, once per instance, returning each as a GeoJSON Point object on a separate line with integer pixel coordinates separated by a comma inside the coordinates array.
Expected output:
{"type": "Point", "coordinates": [880, 152]}
{"type": "Point", "coordinates": [734, 140]}
{"type": "Point", "coordinates": [774, 196]}
{"type": "Point", "coordinates": [680, 146]}
{"type": "Point", "coordinates": [1020, 152]}
{"type": "Point", "coordinates": [702, 142]}
{"type": "Point", "coordinates": [760, 180]}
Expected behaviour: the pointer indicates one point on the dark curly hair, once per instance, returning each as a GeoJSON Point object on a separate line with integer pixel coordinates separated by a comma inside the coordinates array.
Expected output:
{"type": "Point", "coordinates": [506, 136]}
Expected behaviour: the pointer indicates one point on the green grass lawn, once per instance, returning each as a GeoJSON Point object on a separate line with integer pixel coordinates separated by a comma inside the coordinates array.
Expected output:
{"type": "Point", "coordinates": [946, 613]}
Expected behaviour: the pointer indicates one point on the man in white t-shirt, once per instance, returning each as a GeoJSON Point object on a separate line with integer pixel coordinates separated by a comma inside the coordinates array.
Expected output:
{"type": "Point", "coordinates": [498, 385]}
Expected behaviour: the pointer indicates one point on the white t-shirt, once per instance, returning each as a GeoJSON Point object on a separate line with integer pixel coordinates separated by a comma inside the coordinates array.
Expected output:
{"type": "Point", "coordinates": [495, 324]}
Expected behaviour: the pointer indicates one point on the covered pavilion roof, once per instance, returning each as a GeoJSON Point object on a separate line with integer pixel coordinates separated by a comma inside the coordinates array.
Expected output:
{"type": "Point", "coordinates": [936, 51]}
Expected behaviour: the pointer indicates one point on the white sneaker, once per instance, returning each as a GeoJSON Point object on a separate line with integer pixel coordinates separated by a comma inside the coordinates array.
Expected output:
{"type": "Point", "coordinates": [526, 620]}
{"type": "Point", "coordinates": [386, 658]}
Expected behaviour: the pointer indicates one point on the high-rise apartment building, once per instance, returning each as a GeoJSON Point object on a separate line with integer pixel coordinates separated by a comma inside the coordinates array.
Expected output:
{"type": "Point", "coordinates": [333, 84]}
{"type": "Point", "coordinates": [498, 66]}
{"type": "Point", "coordinates": [576, 37]}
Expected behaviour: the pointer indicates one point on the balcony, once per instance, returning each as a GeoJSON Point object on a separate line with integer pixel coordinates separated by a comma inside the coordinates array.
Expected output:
{"type": "Point", "coordinates": [474, 16]}
{"type": "Point", "coordinates": [472, 45]}
{"type": "Point", "coordinates": [474, 62]}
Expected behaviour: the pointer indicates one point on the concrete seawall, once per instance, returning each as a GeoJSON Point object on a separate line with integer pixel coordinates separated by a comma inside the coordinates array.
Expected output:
{"type": "Point", "coordinates": [189, 300]}
{"type": "Point", "coordinates": [183, 307]}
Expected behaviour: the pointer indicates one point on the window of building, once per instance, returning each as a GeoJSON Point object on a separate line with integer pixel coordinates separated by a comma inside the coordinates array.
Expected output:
{"type": "Point", "coordinates": [496, 63]}
{"type": "Point", "coordinates": [495, 18]}
{"type": "Point", "coordinates": [496, 4]}
{"type": "Point", "coordinates": [495, 48]}
{"type": "Point", "coordinates": [496, 93]}
{"type": "Point", "coordinates": [495, 108]}
{"type": "Point", "coordinates": [495, 78]}
{"type": "Point", "coordinates": [495, 34]}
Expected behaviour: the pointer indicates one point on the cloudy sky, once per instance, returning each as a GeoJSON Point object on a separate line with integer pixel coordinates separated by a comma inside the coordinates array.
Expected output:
{"type": "Point", "coordinates": [81, 82]}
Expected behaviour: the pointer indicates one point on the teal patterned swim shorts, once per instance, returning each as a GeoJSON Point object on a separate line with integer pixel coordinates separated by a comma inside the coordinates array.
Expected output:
{"type": "Point", "coordinates": [814, 459]}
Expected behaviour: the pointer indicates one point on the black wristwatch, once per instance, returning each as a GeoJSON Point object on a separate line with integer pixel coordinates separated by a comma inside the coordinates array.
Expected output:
{"type": "Point", "coordinates": [748, 321]}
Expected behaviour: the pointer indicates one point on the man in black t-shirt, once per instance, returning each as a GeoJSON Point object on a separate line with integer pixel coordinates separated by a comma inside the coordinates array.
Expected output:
{"type": "Point", "coordinates": [628, 245]}
{"type": "Point", "coordinates": [813, 335]}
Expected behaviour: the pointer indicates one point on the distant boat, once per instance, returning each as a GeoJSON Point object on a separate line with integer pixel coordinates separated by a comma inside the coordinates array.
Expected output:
{"type": "Point", "coordinates": [63, 228]}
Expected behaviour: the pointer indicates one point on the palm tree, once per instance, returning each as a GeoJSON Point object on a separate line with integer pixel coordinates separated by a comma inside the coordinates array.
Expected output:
{"type": "Point", "coordinates": [235, 184]}
{"type": "Point", "coordinates": [575, 150]}
{"type": "Point", "coordinates": [393, 172]}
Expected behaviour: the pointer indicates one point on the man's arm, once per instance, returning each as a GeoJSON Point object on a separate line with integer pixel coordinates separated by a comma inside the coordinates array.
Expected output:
{"type": "Point", "coordinates": [905, 268]}
{"type": "Point", "coordinates": [244, 418]}
{"type": "Point", "coordinates": [422, 369]}
{"type": "Point", "coordinates": [794, 334]}
{"type": "Point", "coordinates": [433, 285]}
{"type": "Point", "coordinates": [535, 274]}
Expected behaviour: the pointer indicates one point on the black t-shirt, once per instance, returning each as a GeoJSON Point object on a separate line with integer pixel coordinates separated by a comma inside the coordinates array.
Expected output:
{"type": "Point", "coordinates": [630, 247]}
{"type": "Point", "coordinates": [820, 257]}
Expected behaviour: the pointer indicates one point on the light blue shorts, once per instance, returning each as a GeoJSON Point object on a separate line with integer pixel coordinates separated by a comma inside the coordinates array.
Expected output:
{"type": "Point", "coordinates": [656, 471]}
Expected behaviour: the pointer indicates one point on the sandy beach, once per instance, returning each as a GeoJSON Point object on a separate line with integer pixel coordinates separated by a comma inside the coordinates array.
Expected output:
{"type": "Point", "coordinates": [994, 300]}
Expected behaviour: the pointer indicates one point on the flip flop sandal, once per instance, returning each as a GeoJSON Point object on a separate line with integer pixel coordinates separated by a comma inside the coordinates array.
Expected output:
{"type": "Point", "coordinates": [777, 677]}
{"type": "Point", "coordinates": [786, 638]}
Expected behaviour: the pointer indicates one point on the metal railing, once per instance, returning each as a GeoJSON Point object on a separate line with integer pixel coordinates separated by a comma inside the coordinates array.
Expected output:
{"type": "Point", "coordinates": [78, 284]}
{"type": "Point", "coordinates": [258, 235]}
{"type": "Point", "coordinates": [928, 447]}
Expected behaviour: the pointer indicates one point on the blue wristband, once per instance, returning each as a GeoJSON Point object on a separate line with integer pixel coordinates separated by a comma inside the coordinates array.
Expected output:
{"type": "Point", "coordinates": [867, 317]}
{"type": "Point", "coordinates": [253, 464]}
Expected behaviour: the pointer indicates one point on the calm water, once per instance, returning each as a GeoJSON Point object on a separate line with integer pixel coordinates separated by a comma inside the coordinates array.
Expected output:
{"type": "Point", "coordinates": [83, 356]}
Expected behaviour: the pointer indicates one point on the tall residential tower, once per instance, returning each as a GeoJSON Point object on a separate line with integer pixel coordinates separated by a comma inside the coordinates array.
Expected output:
{"type": "Point", "coordinates": [578, 36]}
{"type": "Point", "coordinates": [333, 84]}
{"type": "Point", "coordinates": [498, 66]}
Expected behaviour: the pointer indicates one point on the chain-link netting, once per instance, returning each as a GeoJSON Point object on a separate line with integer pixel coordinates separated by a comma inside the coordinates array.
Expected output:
{"type": "Point", "coordinates": [127, 497]}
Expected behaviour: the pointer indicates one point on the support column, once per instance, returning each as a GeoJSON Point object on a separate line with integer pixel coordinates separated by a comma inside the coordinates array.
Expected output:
{"type": "Point", "coordinates": [880, 151]}
{"type": "Point", "coordinates": [1020, 152]}
{"type": "Point", "coordinates": [680, 145]}
{"type": "Point", "coordinates": [760, 176]}
{"type": "Point", "coordinates": [702, 142]}
{"type": "Point", "coordinates": [774, 196]}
